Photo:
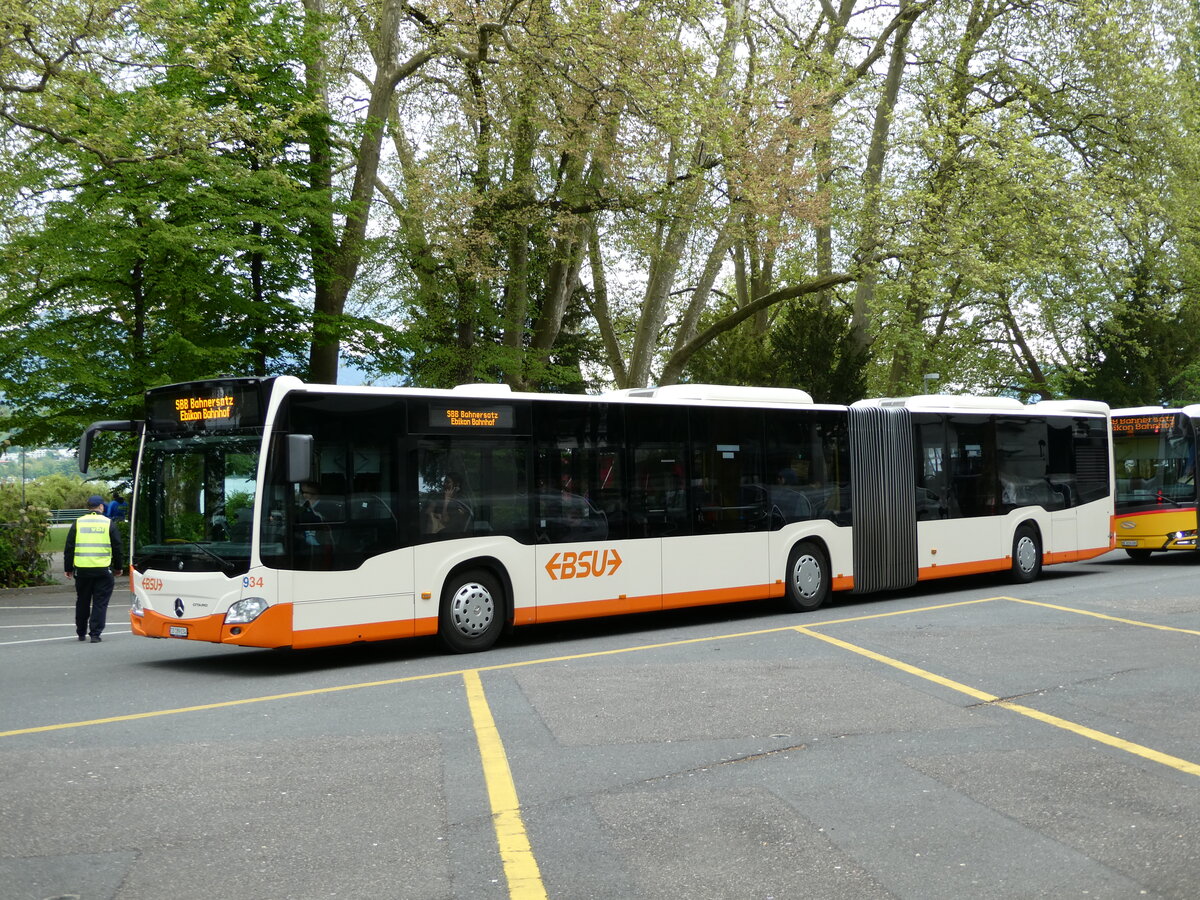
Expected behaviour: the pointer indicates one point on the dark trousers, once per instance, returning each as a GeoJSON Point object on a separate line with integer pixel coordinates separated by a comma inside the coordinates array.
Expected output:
{"type": "Point", "coordinates": [93, 590]}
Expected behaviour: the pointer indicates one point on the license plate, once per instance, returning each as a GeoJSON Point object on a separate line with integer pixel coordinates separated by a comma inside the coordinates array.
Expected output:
{"type": "Point", "coordinates": [1129, 543]}
{"type": "Point", "coordinates": [178, 631]}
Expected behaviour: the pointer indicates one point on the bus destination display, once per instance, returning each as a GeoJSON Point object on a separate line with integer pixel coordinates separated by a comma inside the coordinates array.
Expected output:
{"type": "Point", "coordinates": [193, 409]}
{"type": "Point", "coordinates": [204, 407]}
{"type": "Point", "coordinates": [482, 417]}
{"type": "Point", "coordinates": [1149, 424]}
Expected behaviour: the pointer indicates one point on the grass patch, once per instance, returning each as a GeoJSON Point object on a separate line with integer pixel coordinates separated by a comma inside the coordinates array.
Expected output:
{"type": "Point", "coordinates": [55, 539]}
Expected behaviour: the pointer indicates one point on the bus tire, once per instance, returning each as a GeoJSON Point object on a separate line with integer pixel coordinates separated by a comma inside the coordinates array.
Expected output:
{"type": "Point", "coordinates": [471, 616]}
{"type": "Point", "coordinates": [1026, 555]}
{"type": "Point", "coordinates": [1139, 555]}
{"type": "Point", "coordinates": [806, 583]}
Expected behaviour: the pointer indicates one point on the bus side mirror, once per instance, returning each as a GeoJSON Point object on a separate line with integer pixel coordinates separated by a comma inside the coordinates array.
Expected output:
{"type": "Point", "coordinates": [89, 434]}
{"type": "Point", "coordinates": [299, 450]}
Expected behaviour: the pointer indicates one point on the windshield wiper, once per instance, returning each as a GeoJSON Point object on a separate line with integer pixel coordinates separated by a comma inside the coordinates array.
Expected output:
{"type": "Point", "coordinates": [226, 564]}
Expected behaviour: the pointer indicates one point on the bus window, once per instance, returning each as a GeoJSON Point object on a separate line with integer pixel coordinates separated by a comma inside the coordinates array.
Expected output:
{"type": "Point", "coordinates": [579, 474]}
{"type": "Point", "coordinates": [728, 490]}
{"type": "Point", "coordinates": [973, 482]}
{"type": "Point", "coordinates": [935, 500]}
{"type": "Point", "coordinates": [807, 462]}
{"type": "Point", "coordinates": [1022, 452]}
{"type": "Point", "coordinates": [658, 487]}
{"type": "Point", "coordinates": [350, 509]}
{"type": "Point", "coordinates": [471, 484]}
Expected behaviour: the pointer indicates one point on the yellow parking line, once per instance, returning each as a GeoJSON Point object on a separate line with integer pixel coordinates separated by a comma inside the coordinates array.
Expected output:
{"type": "Point", "coordinates": [222, 704]}
{"type": "Point", "coordinates": [520, 866]}
{"type": "Point", "coordinates": [1096, 615]}
{"type": "Point", "coordinates": [1165, 759]}
{"type": "Point", "coordinates": [903, 612]}
{"type": "Point", "coordinates": [902, 666]}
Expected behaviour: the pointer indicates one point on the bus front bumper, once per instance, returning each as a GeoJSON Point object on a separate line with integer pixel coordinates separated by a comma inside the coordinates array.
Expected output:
{"type": "Point", "coordinates": [271, 629]}
{"type": "Point", "coordinates": [1176, 540]}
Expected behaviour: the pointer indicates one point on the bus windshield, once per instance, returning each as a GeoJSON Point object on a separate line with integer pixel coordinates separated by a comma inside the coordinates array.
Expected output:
{"type": "Point", "coordinates": [195, 503]}
{"type": "Point", "coordinates": [1154, 470]}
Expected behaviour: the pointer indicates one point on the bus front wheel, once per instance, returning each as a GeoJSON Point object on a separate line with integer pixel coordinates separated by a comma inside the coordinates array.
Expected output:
{"type": "Point", "coordinates": [1026, 555]}
{"type": "Point", "coordinates": [472, 612]}
{"type": "Point", "coordinates": [807, 581]}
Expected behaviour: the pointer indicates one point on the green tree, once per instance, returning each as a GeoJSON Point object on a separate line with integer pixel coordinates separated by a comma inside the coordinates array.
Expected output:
{"type": "Point", "coordinates": [154, 233]}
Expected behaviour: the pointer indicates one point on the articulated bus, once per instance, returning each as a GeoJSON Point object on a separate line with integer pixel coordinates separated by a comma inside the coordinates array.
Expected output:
{"type": "Point", "coordinates": [1155, 457]}
{"type": "Point", "coordinates": [271, 513]}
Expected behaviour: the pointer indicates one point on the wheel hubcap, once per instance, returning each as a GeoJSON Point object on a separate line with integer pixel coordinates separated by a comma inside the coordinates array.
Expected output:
{"type": "Point", "coordinates": [472, 609]}
{"type": "Point", "coordinates": [806, 576]}
{"type": "Point", "coordinates": [1026, 554]}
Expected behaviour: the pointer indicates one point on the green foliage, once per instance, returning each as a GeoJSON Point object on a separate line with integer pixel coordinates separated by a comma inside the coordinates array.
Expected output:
{"type": "Point", "coordinates": [23, 529]}
{"type": "Point", "coordinates": [183, 181]}
{"type": "Point", "coordinates": [1144, 355]}
{"type": "Point", "coordinates": [809, 346]}
{"type": "Point", "coordinates": [63, 491]}
{"type": "Point", "coordinates": [158, 229]}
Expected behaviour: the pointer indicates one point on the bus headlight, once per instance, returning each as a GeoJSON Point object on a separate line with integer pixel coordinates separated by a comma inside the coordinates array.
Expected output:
{"type": "Point", "coordinates": [245, 610]}
{"type": "Point", "coordinates": [137, 609]}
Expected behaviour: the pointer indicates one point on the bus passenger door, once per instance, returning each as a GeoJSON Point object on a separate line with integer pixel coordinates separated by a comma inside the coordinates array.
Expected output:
{"type": "Point", "coordinates": [341, 538]}
{"type": "Point", "coordinates": [717, 549]}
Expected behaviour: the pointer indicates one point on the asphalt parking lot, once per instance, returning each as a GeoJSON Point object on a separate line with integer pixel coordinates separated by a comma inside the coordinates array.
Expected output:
{"type": "Point", "coordinates": [964, 738]}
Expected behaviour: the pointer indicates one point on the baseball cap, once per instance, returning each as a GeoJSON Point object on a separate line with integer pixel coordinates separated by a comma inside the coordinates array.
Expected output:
{"type": "Point", "coordinates": [94, 501]}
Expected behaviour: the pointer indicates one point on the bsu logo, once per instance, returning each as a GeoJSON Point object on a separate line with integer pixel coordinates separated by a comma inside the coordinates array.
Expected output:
{"type": "Point", "coordinates": [584, 564]}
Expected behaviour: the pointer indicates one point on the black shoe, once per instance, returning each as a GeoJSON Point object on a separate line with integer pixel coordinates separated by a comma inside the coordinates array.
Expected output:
{"type": "Point", "coordinates": [83, 637]}
{"type": "Point", "coordinates": [95, 639]}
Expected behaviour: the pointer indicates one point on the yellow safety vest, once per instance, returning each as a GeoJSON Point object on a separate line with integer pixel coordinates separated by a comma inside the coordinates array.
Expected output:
{"type": "Point", "coordinates": [93, 546]}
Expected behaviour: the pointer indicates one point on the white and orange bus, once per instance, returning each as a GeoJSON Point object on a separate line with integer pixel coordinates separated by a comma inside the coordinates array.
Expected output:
{"type": "Point", "coordinates": [1155, 459]}
{"type": "Point", "coordinates": [273, 513]}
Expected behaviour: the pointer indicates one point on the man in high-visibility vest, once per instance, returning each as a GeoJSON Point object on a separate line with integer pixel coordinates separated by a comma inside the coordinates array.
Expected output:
{"type": "Point", "coordinates": [92, 555]}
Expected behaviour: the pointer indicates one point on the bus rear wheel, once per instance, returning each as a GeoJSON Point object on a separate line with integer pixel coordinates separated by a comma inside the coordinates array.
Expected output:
{"type": "Point", "coordinates": [1026, 555]}
{"type": "Point", "coordinates": [807, 580]}
{"type": "Point", "coordinates": [472, 612]}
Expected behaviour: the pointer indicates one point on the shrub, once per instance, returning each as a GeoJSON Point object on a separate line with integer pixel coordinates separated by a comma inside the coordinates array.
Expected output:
{"type": "Point", "coordinates": [23, 528]}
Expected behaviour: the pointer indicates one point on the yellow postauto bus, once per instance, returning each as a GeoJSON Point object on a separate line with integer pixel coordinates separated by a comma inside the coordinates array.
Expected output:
{"type": "Point", "coordinates": [1154, 452]}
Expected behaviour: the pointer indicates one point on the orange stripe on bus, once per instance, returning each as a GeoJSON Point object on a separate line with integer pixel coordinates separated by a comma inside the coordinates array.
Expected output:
{"type": "Point", "coordinates": [716, 595]}
{"type": "Point", "coordinates": [976, 567]}
{"type": "Point", "coordinates": [1066, 556]}
{"type": "Point", "coordinates": [348, 634]}
{"type": "Point", "coordinates": [561, 612]}
{"type": "Point", "coordinates": [982, 566]}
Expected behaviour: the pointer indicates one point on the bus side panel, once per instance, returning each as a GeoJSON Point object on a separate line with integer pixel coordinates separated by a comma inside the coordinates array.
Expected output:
{"type": "Point", "coordinates": [1063, 537]}
{"type": "Point", "coordinates": [715, 568]}
{"type": "Point", "coordinates": [963, 546]}
{"type": "Point", "coordinates": [580, 580]}
{"type": "Point", "coordinates": [372, 602]}
{"type": "Point", "coordinates": [1092, 529]}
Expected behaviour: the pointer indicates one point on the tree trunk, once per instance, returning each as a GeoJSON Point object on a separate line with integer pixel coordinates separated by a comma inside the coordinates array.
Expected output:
{"type": "Point", "coordinates": [864, 293]}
